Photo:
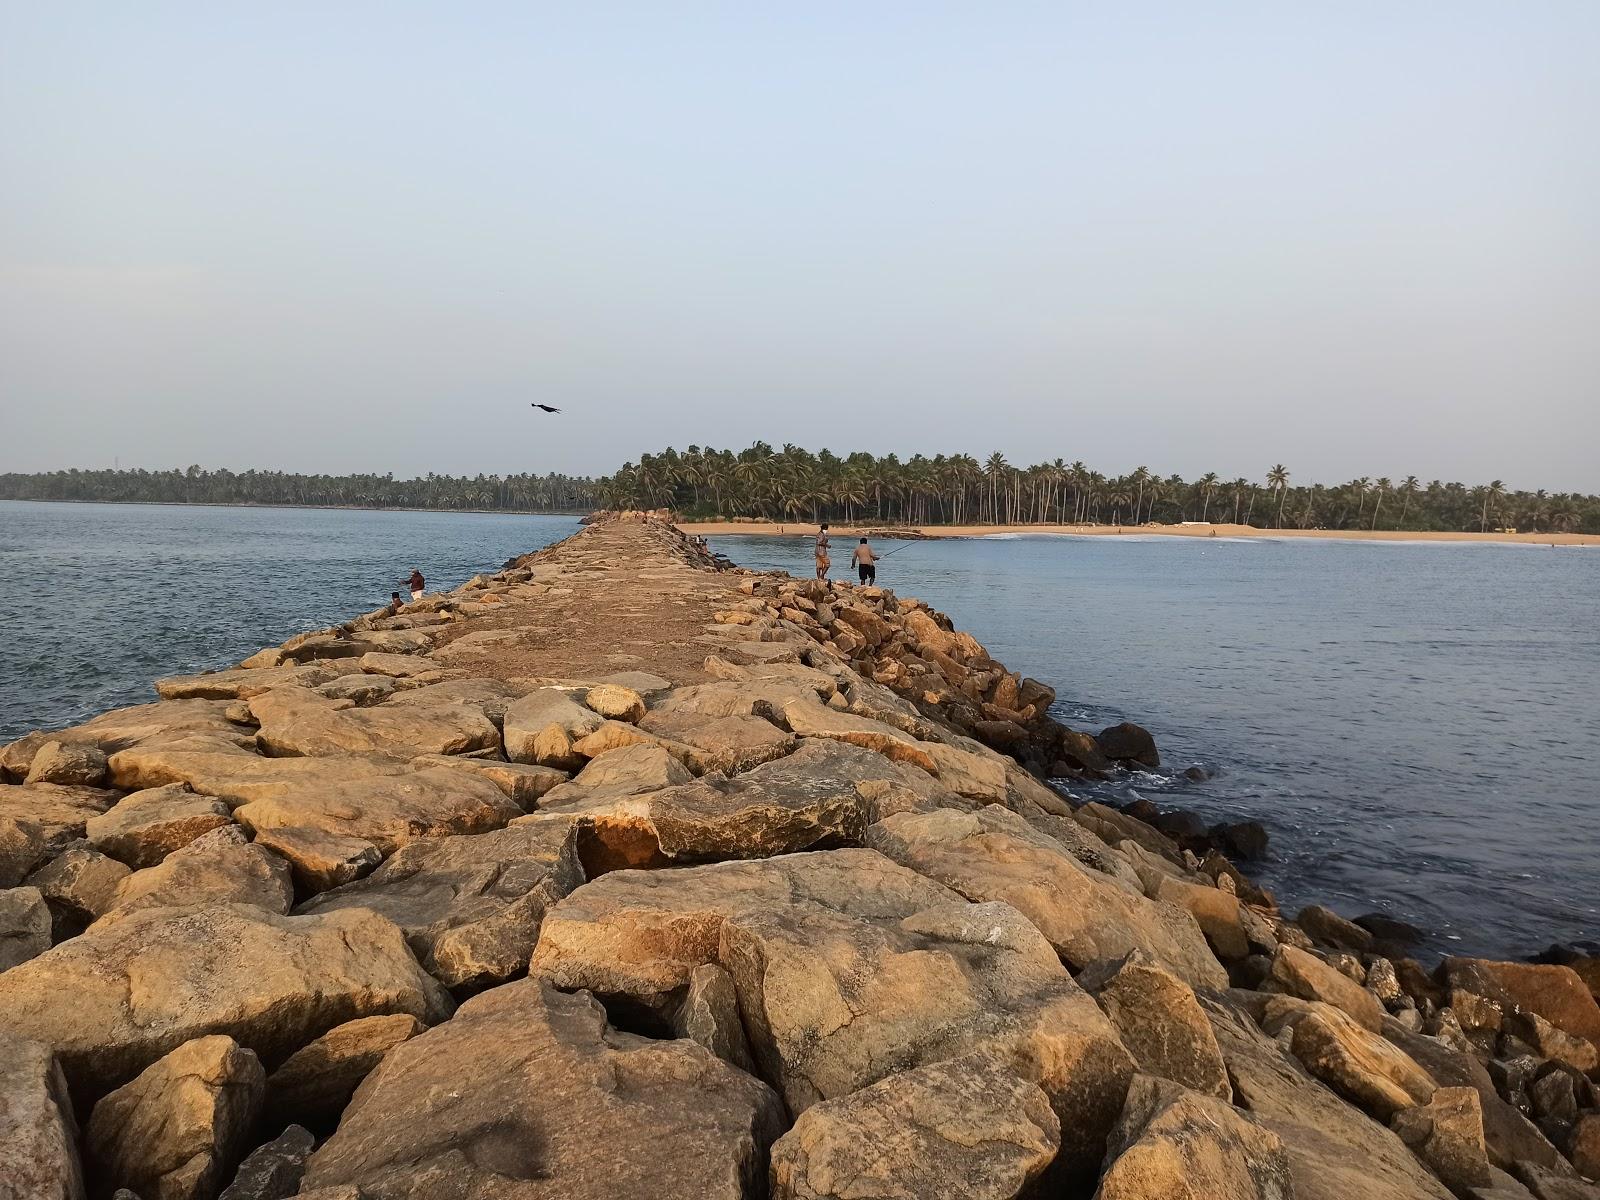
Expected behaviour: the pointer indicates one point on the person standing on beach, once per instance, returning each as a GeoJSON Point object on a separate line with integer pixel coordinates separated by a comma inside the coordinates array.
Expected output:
{"type": "Point", "coordinates": [823, 561]}
{"type": "Point", "coordinates": [866, 563]}
{"type": "Point", "coordinates": [415, 583]}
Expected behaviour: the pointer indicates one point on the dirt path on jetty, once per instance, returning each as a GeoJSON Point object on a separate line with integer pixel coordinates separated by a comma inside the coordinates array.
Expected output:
{"type": "Point", "coordinates": [619, 874]}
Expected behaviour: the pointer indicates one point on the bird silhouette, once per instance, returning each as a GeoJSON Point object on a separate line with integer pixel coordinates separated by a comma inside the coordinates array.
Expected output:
{"type": "Point", "coordinates": [545, 407]}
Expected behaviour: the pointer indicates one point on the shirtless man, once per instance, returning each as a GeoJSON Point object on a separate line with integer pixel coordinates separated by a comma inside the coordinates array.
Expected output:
{"type": "Point", "coordinates": [866, 563]}
{"type": "Point", "coordinates": [823, 561]}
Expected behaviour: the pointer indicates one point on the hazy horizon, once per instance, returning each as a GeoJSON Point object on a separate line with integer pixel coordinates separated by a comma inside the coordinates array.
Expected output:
{"type": "Point", "coordinates": [1361, 241]}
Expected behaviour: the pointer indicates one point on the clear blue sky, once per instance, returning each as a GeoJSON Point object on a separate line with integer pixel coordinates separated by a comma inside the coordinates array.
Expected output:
{"type": "Point", "coordinates": [1359, 238]}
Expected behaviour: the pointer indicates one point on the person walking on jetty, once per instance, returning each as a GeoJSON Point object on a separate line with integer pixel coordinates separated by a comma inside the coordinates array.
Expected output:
{"type": "Point", "coordinates": [823, 561]}
{"type": "Point", "coordinates": [866, 563]}
{"type": "Point", "coordinates": [415, 583]}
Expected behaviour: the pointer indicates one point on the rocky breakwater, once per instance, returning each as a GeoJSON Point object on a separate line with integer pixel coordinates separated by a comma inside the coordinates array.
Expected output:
{"type": "Point", "coordinates": [617, 874]}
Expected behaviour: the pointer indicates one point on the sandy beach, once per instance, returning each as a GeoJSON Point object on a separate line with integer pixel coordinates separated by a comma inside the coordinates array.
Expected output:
{"type": "Point", "coordinates": [776, 528]}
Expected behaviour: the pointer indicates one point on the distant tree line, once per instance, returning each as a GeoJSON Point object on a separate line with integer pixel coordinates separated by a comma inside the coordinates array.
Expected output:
{"type": "Point", "coordinates": [955, 489]}
{"type": "Point", "coordinates": [505, 493]}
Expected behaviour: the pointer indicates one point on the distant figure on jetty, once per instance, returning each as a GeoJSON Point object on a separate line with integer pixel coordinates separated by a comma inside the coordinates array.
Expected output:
{"type": "Point", "coordinates": [395, 603]}
{"type": "Point", "coordinates": [415, 584]}
{"type": "Point", "coordinates": [823, 561]}
{"type": "Point", "coordinates": [866, 563]}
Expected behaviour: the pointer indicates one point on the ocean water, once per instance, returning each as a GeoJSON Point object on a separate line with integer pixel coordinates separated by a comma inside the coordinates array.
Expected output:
{"type": "Point", "coordinates": [1415, 723]}
{"type": "Point", "coordinates": [98, 600]}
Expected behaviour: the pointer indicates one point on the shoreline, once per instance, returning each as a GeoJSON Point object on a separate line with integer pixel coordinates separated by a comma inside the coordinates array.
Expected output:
{"type": "Point", "coordinates": [507, 512]}
{"type": "Point", "coordinates": [1196, 530]}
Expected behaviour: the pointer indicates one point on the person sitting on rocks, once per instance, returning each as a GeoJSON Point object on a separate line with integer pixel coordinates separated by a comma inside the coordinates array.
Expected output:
{"type": "Point", "coordinates": [395, 603]}
{"type": "Point", "coordinates": [823, 561]}
{"type": "Point", "coordinates": [866, 563]}
{"type": "Point", "coordinates": [415, 583]}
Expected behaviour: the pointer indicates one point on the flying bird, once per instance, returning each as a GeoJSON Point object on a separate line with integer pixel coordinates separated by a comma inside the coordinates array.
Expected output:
{"type": "Point", "coordinates": [545, 407]}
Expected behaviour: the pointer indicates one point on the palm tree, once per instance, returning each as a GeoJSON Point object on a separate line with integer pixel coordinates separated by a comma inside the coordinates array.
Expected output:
{"type": "Point", "coordinates": [1207, 482]}
{"type": "Point", "coordinates": [1278, 478]}
{"type": "Point", "coordinates": [1491, 495]}
{"type": "Point", "coordinates": [995, 468]}
{"type": "Point", "coordinates": [1408, 489]}
{"type": "Point", "coordinates": [1381, 487]}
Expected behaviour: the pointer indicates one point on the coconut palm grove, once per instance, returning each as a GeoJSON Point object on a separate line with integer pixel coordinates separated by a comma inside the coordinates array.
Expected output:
{"type": "Point", "coordinates": [794, 483]}
{"type": "Point", "coordinates": [763, 483]}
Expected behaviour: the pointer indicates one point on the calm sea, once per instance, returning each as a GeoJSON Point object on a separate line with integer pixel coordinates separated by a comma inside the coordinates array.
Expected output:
{"type": "Point", "coordinates": [1414, 723]}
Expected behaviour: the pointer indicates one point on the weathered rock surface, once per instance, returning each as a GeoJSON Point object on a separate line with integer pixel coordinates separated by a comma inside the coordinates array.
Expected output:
{"type": "Point", "coordinates": [69, 763]}
{"type": "Point", "coordinates": [1298, 973]}
{"type": "Point", "coordinates": [390, 810]}
{"type": "Point", "coordinates": [541, 727]}
{"type": "Point", "coordinates": [273, 1171]}
{"type": "Point", "coordinates": [296, 721]}
{"type": "Point", "coordinates": [847, 967]}
{"type": "Point", "coordinates": [1365, 1068]}
{"type": "Point", "coordinates": [1556, 993]}
{"type": "Point", "coordinates": [24, 926]}
{"type": "Point", "coordinates": [627, 771]}
{"type": "Point", "coordinates": [144, 985]}
{"type": "Point", "coordinates": [709, 1015]}
{"type": "Point", "coordinates": [57, 811]}
{"type": "Point", "coordinates": [1335, 1151]}
{"type": "Point", "coordinates": [1160, 1022]}
{"type": "Point", "coordinates": [523, 783]}
{"type": "Point", "coordinates": [1174, 1144]}
{"type": "Point", "coordinates": [993, 854]}
{"type": "Point", "coordinates": [470, 906]}
{"type": "Point", "coordinates": [528, 1093]}
{"type": "Point", "coordinates": [22, 848]}
{"type": "Point", "coordinates": [314, 1084]}
{"type": "Point", "coordinates": [222, 867]}
{"type": "Point", "coordinates": [723, 744]}
{"type": "Point", "coordinates": [614, 702]}
{"type": "Point", "coordinates": [1447, 1134]}
{"type": "Point", "coordinates": [38, 1133]}
{"type": "Point", "coordinates": [319, 860]}
{"type": "Point", "coordinates": [143, 828]}
{"type": "Point", "coordinates": [79, 884]}
{"type": "Point", "coordinates": [241, 683]}
{"type": "Point", "coordinates": [969, 1127]}
{"type": "Point", "coordinates": [176, 1131]}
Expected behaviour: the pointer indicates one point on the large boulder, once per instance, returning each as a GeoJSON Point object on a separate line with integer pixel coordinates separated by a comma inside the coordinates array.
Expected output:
{"type": "Point", "coordinates": [814, 798]}
{"type": "Point", "coordinates": [626, 771]}
{"type": "Point", "coordinates": [1129, 743]}
{"type": "Point", "coordinates": [994, 854]}
{"type": "Point", "coordinates": [1556, 993]}
{"type": "Point", "coordinates": [969, 1127]}
{"type": "Point", "coordinates": [221, 867]}
{"type": "Point", "coordinates": [1160, 1022]}
{"type": "Point", "coordinates": [79, 884]}
{"type": "Point", "coordinates": [724, 744]}
{"type": "Point", "coordinates": [22, 848]}
{"type": "Point", "coordinates": [273, 1171]}
{"type": "Point", "coordinates": [1296, 972]}
{"type": "Point", "coordinates": [524, 783]}
{"type": "Point", "coordinates": [143, 986]}
{"type": "Point", "coordinates": [541, 727]}
{"type": "Point", "coordinates": [470, 906]}
{"type": "Point", "coordinates": [69, 763]}
{"type": "Point", "coordinates": [1174, 1144]}
{"type": "Point", "coordinates": [1335, 1151]}
{"type": "Point", "coordinates": [1447, 1134]}
{"type": "Point", "coordinates": [143, 828]}
{"type": "Point", "coordinates": [238, 775]}
{"type": "Point", "coordinates": [177, 1130]}
{"type": "Point", "coordinates": [847, 968]}
{"type": "Point", "coordinates": [1366, 1069]}
{"type": "Point", "coordinates": [241, 683]}
{"type": "Point", "coordinates": [38, 1134]}
{"type": "Point", "coordinates": [813, 720]}
{"type": "Point", "coordinates": [528, 1093]}
{"type": "Point", "coordinates": [57, 811]}
{"type": "Point", "coordinates": [314, 1084]}
{"type": "Point", "coordinates": [122, 728]}
{"type": "Point", "coordinates": [387, 811]}
{"type": "Point", "coordinates": [296, 721]}
{"type": "Point", "coordinates": [319, 860]}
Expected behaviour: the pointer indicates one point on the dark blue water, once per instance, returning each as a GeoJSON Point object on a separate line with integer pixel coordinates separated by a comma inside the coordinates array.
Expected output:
{"type": "Point", "coordinates": [97, 600]}
{"type": "Point", "coordinates": [1414, 723]}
